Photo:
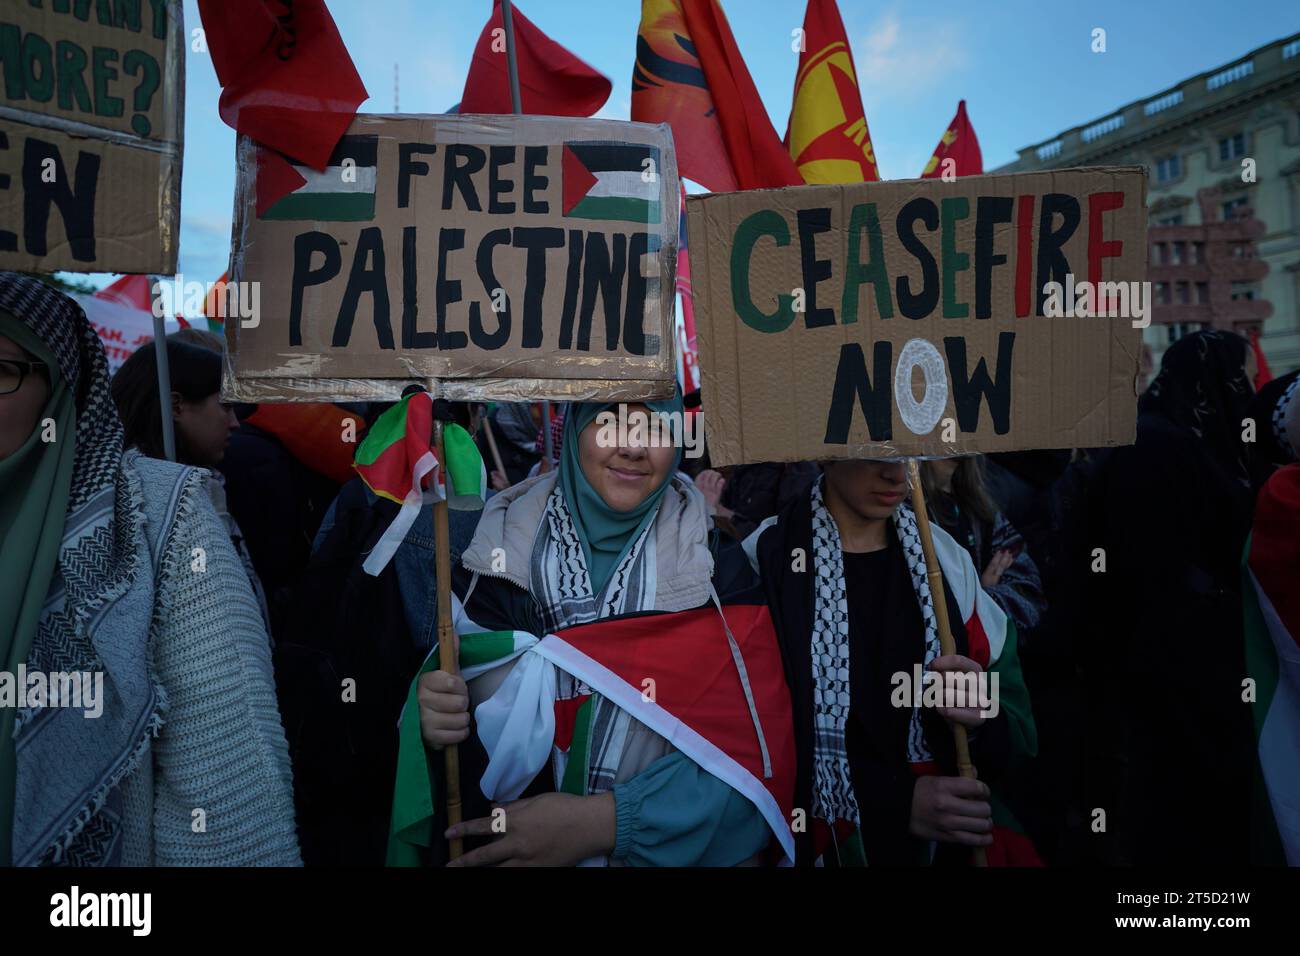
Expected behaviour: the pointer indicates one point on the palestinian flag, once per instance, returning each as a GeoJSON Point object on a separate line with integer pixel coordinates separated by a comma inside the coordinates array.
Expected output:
{"type": "Point", "coordinates": [397, 461]}
{"type": "Point", "coordinates": [1272, 628]}
{"type": "Point", "coordinates": [675, 673]}
{"type": "Point", "coordinates": [343, 192]}
{"type": "Point", "coordinates": [611, 181]}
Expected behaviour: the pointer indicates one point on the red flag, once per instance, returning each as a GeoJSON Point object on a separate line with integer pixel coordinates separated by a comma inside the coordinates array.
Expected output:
{"type": "Point", "coordinates": [758, 157]}
{"type": "Point", "coordinates": [668, 86]}
{"type": "Point", "coordinates": [552, 81]}
{"type": "Point", "coordinates": [828, 136]}
{"type": "Point", "coordinates": [1263, 374]}
{"type": "Point", "coordinates": [287, 80]}
{"type": "Point", "coordinates": [958, 144]}
{"type": "Point", "coordinates": [132, 291]}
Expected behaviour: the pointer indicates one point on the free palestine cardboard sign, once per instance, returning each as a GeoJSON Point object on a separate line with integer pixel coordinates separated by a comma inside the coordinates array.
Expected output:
{"type": "Point", "coordinates": [504, 257]}
{"type": "Point", "coordinates": [921, 318]}
{"type": "Point", "coordinates": [91, 133]}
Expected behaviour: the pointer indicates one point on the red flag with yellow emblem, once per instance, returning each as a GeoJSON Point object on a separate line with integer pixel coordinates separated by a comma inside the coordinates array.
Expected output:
{"type": "Point", "coordinates": [828, 137]}
{"type": "Point", "coordinates": [958, 144]}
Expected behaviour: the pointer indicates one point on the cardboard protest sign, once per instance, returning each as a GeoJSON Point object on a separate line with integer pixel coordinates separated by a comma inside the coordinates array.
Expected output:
{"type": "Point", "coordinates": [507, 257]}
{"type": "Point", "coordinates": [91, 135]}
{"type": "Point", "coordinates": [922, 317]}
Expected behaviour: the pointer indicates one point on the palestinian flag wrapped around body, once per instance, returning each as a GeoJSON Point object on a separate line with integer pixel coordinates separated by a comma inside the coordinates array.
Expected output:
{"type": "Point", "coordinates": [675, 673]}
{"type": "Point", "coordinates": [1272, 631]}
{"type": "Point", "coordinates": [397, 461]}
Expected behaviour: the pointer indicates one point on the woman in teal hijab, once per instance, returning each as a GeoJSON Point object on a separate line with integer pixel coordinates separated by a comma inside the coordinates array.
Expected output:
{"type": "Point", "coordinates": [615, 533]}
{"type": "Point", "coordinates": [612, 490]}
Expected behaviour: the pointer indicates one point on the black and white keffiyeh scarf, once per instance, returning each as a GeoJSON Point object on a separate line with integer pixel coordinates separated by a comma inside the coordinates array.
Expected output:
{"type": "Point", "coordinates": [562, 586]}
{"type": "Point", "coordinates": [833, 797]}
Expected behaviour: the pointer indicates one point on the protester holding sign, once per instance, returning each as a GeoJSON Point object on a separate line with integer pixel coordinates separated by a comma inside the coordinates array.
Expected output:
{"type": "Point", "coordinates": [846, 582]}
{"type": "Point", "coordinates": [613, 533]}
{"type": "Point", "coordinates": [115, 565]}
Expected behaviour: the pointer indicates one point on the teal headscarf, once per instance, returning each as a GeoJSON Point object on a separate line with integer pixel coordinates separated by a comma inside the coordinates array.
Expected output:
{"type": "Point", "coordinates": [34, 486]}
{"type": "Point", "coordinates": [606, 535]}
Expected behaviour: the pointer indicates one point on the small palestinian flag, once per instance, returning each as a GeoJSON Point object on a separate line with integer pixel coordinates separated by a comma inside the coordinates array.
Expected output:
{"type": "Point", "coordinates": [344, 192]}
{"type": "Point", "coordinates": [611, 181]}
{"type": "Point", "coordinates": [397, 461]}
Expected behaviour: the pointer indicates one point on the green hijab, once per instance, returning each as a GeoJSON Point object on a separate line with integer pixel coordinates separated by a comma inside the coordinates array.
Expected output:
{"type": "Point", "coordinates": [606, 535]}
{"type": "Point", "coordinates": [34, 485]}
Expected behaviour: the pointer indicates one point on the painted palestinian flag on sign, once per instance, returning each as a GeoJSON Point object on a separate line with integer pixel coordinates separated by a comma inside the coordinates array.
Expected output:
{"type": "Point", "coordinates": [343, 192]}
{"type": "Point", "coordinates": [611, 181]}
{"type": "Point", "coordinates": [397, 461]}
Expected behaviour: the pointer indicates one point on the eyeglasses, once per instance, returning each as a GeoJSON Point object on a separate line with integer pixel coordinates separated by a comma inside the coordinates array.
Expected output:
{"type": "Point", "coordinates": [13, 371]}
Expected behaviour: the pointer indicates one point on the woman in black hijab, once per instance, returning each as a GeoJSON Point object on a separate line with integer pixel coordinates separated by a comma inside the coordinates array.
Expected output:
{"type": "Point", "coordinates": [1169, 734]}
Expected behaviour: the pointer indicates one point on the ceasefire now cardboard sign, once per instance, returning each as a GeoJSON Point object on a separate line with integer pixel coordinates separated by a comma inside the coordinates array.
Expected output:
{"type": "Point", "coordinates": [91, 102]}
{"type": "Point", "coordinates": [505, 257]}
{"type": "Point", "coordinates": [929, 318]}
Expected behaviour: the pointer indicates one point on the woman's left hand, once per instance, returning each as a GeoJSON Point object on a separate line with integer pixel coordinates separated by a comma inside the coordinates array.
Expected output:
{"type": "Point", "coordinates": [553, 829]}
{"type": "Point", "coordinates": [969, 717]}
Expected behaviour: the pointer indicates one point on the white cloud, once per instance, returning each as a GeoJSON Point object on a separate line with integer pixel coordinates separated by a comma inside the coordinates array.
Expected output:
{"type": "Point", "coordinates": [899, 62]}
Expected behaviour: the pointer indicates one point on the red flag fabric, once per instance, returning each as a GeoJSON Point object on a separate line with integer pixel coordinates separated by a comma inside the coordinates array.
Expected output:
{"type": "Point", "coordinates": [758, 156]}
{"type": "Point", "coordinates": [828, 136]}
{"type": "Point", "coordinates": [959, 144]}
{"type": "Point", "coordinates": [287, 80]}
{"type": "Point", "coordinates": [135, 292]}
{"type": "Point", "coordinates": [1263, 374]}
{"type": "Point", "coordinates": [552, 81]}
{"type": "Point", "coordinates": [668, 86]}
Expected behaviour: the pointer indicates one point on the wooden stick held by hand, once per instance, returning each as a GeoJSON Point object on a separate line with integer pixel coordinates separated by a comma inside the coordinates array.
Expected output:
{"type": "Point", "coordinates": [447, 645]}
{"type": "Point", "coordinates": [934, 575]}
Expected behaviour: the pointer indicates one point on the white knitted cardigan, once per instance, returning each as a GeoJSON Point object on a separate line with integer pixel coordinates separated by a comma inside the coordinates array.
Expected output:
{"type": "Point", "coordinates": [215, 788]}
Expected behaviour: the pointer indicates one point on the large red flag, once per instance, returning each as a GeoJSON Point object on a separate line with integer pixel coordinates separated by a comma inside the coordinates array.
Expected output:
{"type": "Point", "coordinates": [828, 136]}
{"type": "Point", "coordinates": [287, 80]}
{"type": "Point", "coordinates": [668, 86]}
{"type": "Point", "coordinates": [552, 81]}
{"type": "Point", "coordinates": [758, 157]}
{"type": "Point", "coordinates": [958, 144]}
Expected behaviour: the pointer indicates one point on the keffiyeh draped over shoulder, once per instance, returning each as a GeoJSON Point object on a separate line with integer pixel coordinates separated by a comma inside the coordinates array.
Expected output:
{"type": "Point", "coordinates": [77, 818]}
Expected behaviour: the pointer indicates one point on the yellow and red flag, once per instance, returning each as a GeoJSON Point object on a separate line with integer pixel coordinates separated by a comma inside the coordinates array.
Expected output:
{"type": "Point", "coordinates": [828, 137]}
{"type": "Point", "coordinates": [668, 86]}
{"type": "Point", "coordinates": [958, 144]}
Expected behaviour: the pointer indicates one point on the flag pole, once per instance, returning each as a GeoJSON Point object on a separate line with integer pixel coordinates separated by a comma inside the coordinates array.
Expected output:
{"type": "Point", "coordinates": [492, 445]}
{"type": "Point", "coordinates": [164, 386]}
{"type": "Point", "coordinates": [448, 649]}
{"type": "Point", "coordinates": [516, 106]}
{"type": "Point", "coordinates": [934, 574]}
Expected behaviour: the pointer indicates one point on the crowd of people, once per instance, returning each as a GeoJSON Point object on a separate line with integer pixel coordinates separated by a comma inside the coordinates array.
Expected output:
{"type": "Point", "coordinates": [256, 674]}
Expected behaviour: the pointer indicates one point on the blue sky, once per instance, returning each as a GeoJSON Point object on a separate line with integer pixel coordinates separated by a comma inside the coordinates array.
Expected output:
{"type": "Point", "coordinates": [1025, 68]}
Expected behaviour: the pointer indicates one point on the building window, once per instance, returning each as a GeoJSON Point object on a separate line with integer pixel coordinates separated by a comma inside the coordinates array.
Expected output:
{"type": "Point", "coordinates": [1180, 252]}
{"type": "Point", "coordinates": [1184, 290]}
{"type": "Point", "coordinates": [1162, 293]}
{"type": "Point", "coordinates": [1243, 291]}
{"type": "Point", "coordinates": [1202, 293]}
{"type": "Point", "coordinates": [1168, 168]}
{"type": "Point", "coordinates": [1178, 329]}
{"type": "Point", "coordinates": [1232, 147]}
{"type": "Point", "coordinates": [1232, 205]}
{"type": "Point", "coordinates": [1198, 252]}
{"type": "Point", "coordinates": [1170, 220]}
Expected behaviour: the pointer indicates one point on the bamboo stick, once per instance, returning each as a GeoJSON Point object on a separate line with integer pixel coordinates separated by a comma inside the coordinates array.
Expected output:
{"type": "Point", "coordinates": [447, 648]}
{"type": "Point", "coordinates": [492, 444]}
{"type": "Point", "coordinates": [934, 574]}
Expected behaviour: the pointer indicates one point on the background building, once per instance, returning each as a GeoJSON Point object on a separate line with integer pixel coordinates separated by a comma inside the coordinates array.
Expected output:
{"type": "Point", "coordinates": [1225, 250]}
